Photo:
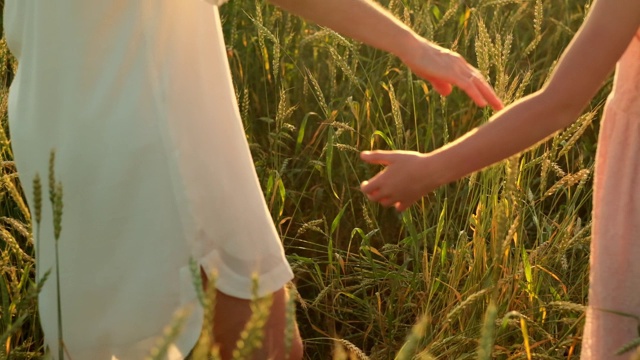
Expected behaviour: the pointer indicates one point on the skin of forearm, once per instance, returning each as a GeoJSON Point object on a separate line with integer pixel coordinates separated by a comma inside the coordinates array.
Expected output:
{"type": "Point", "coordinates": [582, 69]}
{"type": "Point", "coordinates": [362, 20]}
{"type": "Point", "coordinates": [520, 126]}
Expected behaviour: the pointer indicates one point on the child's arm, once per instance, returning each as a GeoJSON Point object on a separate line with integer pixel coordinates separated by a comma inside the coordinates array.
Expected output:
{"type": "Point", "coordinates": [365, 21]}
{"type": "Point", "coordinates": [583, 67]}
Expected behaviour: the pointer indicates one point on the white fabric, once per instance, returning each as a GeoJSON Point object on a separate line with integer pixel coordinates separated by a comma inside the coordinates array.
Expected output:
{"type": "Point", "coordinates": [216, 2]}
{"type": "Point", "coordinates": [136, 98]}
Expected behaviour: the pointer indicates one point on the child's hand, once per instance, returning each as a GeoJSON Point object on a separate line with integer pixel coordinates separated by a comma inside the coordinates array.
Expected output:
{"type": "Point", "coordinates": [404, 180]}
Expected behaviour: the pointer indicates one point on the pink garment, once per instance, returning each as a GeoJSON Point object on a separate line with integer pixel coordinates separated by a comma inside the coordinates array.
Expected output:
{"type": "Point", "coordinates": [615, 246]}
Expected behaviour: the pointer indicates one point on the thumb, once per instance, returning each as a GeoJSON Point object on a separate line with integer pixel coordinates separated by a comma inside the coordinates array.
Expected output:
{"type": "Point", "coordinates": [379, 157]}
{"type": "Point", "coordinates": [442, 87]}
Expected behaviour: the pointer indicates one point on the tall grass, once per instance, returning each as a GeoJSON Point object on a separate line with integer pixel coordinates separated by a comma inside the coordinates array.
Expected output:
{"type": "Point", "coordinates": [493, 266]}
{"type": "Point", "coordinates": [20, 335]}
{"type": "Point", "coordinates": [515, 236]}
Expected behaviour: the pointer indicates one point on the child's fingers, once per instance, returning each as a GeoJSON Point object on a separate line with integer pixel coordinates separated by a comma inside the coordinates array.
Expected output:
{"type": "Point", "coordinates": [379, 157]}
{"type": "Point", "coordinates": [374, 196]}
{"type": "Point", "coordinates": [377, 195]}
{"type": "Point", "coordinates": [375, 192]}
{"type": "Point", "coordinates": [366, 187]}
{"type": "Point", "coordinates": [371, 190]}
{"type": "Point", "coordinates": [388, 202]}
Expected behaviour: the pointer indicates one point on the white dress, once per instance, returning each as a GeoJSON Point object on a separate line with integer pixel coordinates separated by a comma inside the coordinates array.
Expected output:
{"type": "Point", "coordinates": [136, 98]}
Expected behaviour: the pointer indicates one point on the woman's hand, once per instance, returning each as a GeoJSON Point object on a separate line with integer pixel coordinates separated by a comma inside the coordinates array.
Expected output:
{"type": "Point", "coordinates": [366, 21]}
{"type": "Point", "coordinates": [444, 68]}
{"type": "Point", "coordinates": [408, 176]}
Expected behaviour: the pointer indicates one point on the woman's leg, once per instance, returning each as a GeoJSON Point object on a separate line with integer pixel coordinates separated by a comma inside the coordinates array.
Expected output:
{"type": "Point", "coordinates": [231, 316]}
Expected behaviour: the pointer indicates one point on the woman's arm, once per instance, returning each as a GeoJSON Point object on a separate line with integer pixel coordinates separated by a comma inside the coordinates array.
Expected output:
{"type": "Point", "coordinates": [365, 21]}
{"type": "Point", "coordinates": [583, 67]}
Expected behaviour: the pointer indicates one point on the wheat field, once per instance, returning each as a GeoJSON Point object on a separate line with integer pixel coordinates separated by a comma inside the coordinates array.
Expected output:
{"type": "Point", "coordinates": [494, 266]}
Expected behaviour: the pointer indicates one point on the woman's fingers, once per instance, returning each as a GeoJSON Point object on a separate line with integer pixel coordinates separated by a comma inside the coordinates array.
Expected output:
{"type": "Point", "coordinates": [467, 82]}
{"type": "Point", "coordinates": [477, 87]}
{"type": "Point", "coordinates": [471, 81]}
{"type": "Point", "coordinates": [444, 69]}
{"type": "Point", "coordinates": [442, 87]}
{"type": "Point", "coordinates": [487, 92]}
